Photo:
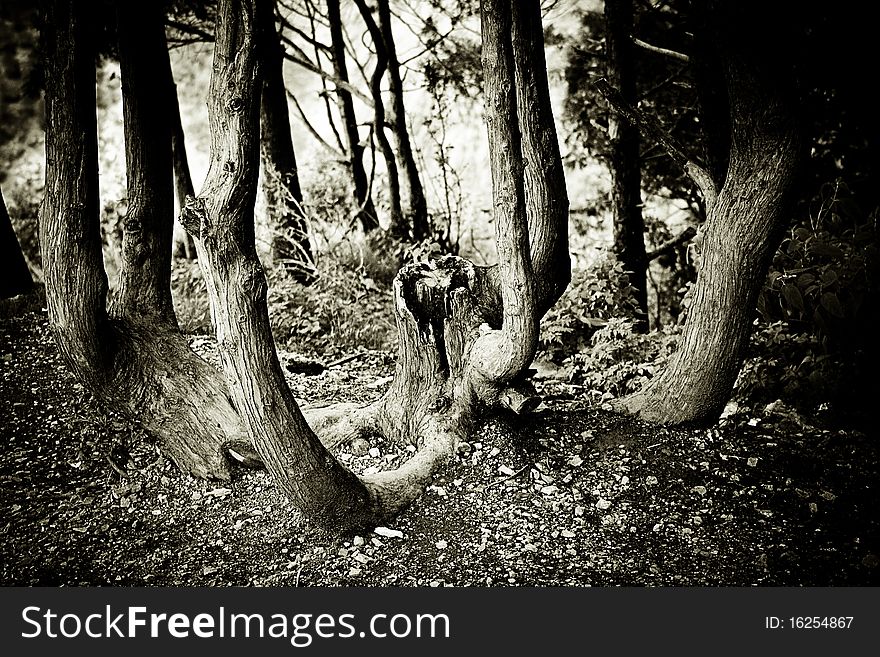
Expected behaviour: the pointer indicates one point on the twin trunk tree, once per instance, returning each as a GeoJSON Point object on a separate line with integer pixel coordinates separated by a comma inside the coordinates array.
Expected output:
{"type": "Point", "coordinates": [132, 358]}
{"type": "Point", "coordinates": [466, 333]}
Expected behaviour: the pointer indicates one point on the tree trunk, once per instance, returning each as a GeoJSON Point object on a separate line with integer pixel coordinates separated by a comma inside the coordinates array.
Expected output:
{"type": "Point", "coordinates": [740, 235]}
{"type": "Point", "coordinates": [624, 158]}
{"type": "Point", "coordinates": [134, 362]}
{"type": "Point", "coordinates": [183, 183]}
{"type": "Point", "coordinates": [362, 193]}
{"type": "Point", "coordinates": [545, 191]}
{"type": "Point", "coordinates": [290, 240]}
{"type": "Point", "coordinates": [417, 211]}
{"type": "Point", "coordinates": [450, 360]}
{"type": "Point", "coordinates": [397, 224]}
{"type": "Point", "coordinates": [17, 279]}
{"type": "Point", "coordinates": [144, 285]}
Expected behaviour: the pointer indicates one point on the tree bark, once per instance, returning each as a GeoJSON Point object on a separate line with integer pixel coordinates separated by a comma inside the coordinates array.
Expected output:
{"type": "Point", "coordinates": [397, 224]}
{"type": "Point", "coordinates": [136, 363]}
{"type": "Point", "coordinates": [742, 230]}
{"type": "Point", "coordinates": [291, 248]}
{"type": "Point", "coordinates": [366, 210]}
{"type": "Point", "coordinates": [17, 279]}
{"type": "Point", "coordinates": [545, 191]}
{"type": "Point", "coordinates": [221, 219]}
{"type": "Point", "coordinates": [624, 157]}
{"type": "Point", "coordinates": [144, 285]}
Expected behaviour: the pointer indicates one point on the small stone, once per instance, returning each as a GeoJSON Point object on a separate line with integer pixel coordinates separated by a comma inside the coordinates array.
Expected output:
{"type": "Point", "coordinates": [548, 490]}
{"type": "Point", "coordinates": [752, 462]}
{"type": "Point", "coordinates": [567, 533]}
{"type": "Point", "coordinates": [507, 472]}
{"type": "Point", "coordinates": [578, 511]}
{"type": "Point", "coordinates": [374, 452]}
{"type": "Point", "coordinates": [357, 540]}
{"type": "Point", "coordinates": [603, 505]}
{"type": "Point", "coordinates": [441, 544]}
{"type": "Point", "coordinates": [354, 572]}
{"type": "Point", "coordinates": [361, 558]}
{"type": "Point", "coordinates": [650, 480]}
{"type": "Point", "coordinates": [575, 461]}
{"type": "Point", "coordinates": [388, 533]}
{"type": "Point", "coordinates": [359, 446]}
{"type": "Point", "coordinates": [699, 490]}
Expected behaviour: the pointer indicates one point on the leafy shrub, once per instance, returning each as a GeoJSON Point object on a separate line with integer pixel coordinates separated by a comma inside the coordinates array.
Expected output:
{"type": "Point", "coordinates": [344, 309]}
{"type": "Point", "coordinates": [824, 268]}
{"type": "Point", "coordinates": [620, 360]}
{"type": "Point", "coordinates": [190, 296]}
{"type": "Point", "coordinates": [593, 297]}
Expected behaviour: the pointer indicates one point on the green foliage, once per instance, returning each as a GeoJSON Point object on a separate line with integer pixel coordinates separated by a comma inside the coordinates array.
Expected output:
{"type": "Point", "coordinates": [620, 360]}
{"type": "Point", "coordinates": [594, 296]}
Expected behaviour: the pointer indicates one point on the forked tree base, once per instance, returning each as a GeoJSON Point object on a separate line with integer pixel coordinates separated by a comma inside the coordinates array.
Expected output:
{"type": "Point", "coordinates": [436, 394]}
{"type": "Point", "coordinates": [176, 396]}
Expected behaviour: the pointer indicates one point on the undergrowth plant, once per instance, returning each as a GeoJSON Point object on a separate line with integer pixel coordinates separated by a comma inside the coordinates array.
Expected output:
{"type": "Point", "coordinates": [595, 295]}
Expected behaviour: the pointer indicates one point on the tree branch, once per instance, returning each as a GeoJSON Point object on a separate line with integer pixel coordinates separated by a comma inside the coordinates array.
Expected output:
{"type": "Point", "coordinates": [312, 129]}
{"type": "Point", "coordinates": [653, 130]}
{"type": "Point", "coordinates": [300, 58]}
{"type": "Point", "coordinates": [674, 241]}
{"type": "Point", "coordinates": [680, 56]}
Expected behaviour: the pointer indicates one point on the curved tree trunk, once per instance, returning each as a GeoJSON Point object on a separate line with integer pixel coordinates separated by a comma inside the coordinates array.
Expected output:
{"type": "Point", "coordinates": [624, 159]}
{"type": "Point", "coordinates": [136, 361]}
{"type": "Point", "coordinates": [450, 361]}
{"type": "Point", "coordinates": [17, 279]}
{"type": "Point", "coordinates": [291, 248]}
{"type": "Point", "coordinates": [742, 230]}
{"type": "Point", "coordinates": [545, 192]}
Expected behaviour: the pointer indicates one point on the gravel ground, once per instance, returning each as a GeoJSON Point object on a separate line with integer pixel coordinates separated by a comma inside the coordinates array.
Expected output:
{"type": "Point", "coordinates": [572, 496]}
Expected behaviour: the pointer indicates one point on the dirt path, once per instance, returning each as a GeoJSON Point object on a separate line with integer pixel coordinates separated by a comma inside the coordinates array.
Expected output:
{"type": "Point", "coordinates": [573, 496]}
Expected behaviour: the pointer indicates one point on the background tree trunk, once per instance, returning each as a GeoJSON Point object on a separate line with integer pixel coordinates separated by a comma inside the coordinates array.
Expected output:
{"type": "Point", "coordinates": [183, 183]}
{"type": "Point", "coordinates": [417, 211]}
{"type": "Point", "coordinates": [17, 279]}
{"type": "Point", "coordinates": [137, 364]}
{"type": "Point", "coordinates": [397, 224]}
{"type": "Point", "coordinates": [291, 248]}
{"type": "Point", "coordinates": [624, 157]}
{"type": "Point", "coordinates": [351, 137]}
{"type": "Point", "coordinates": [742, 230]}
